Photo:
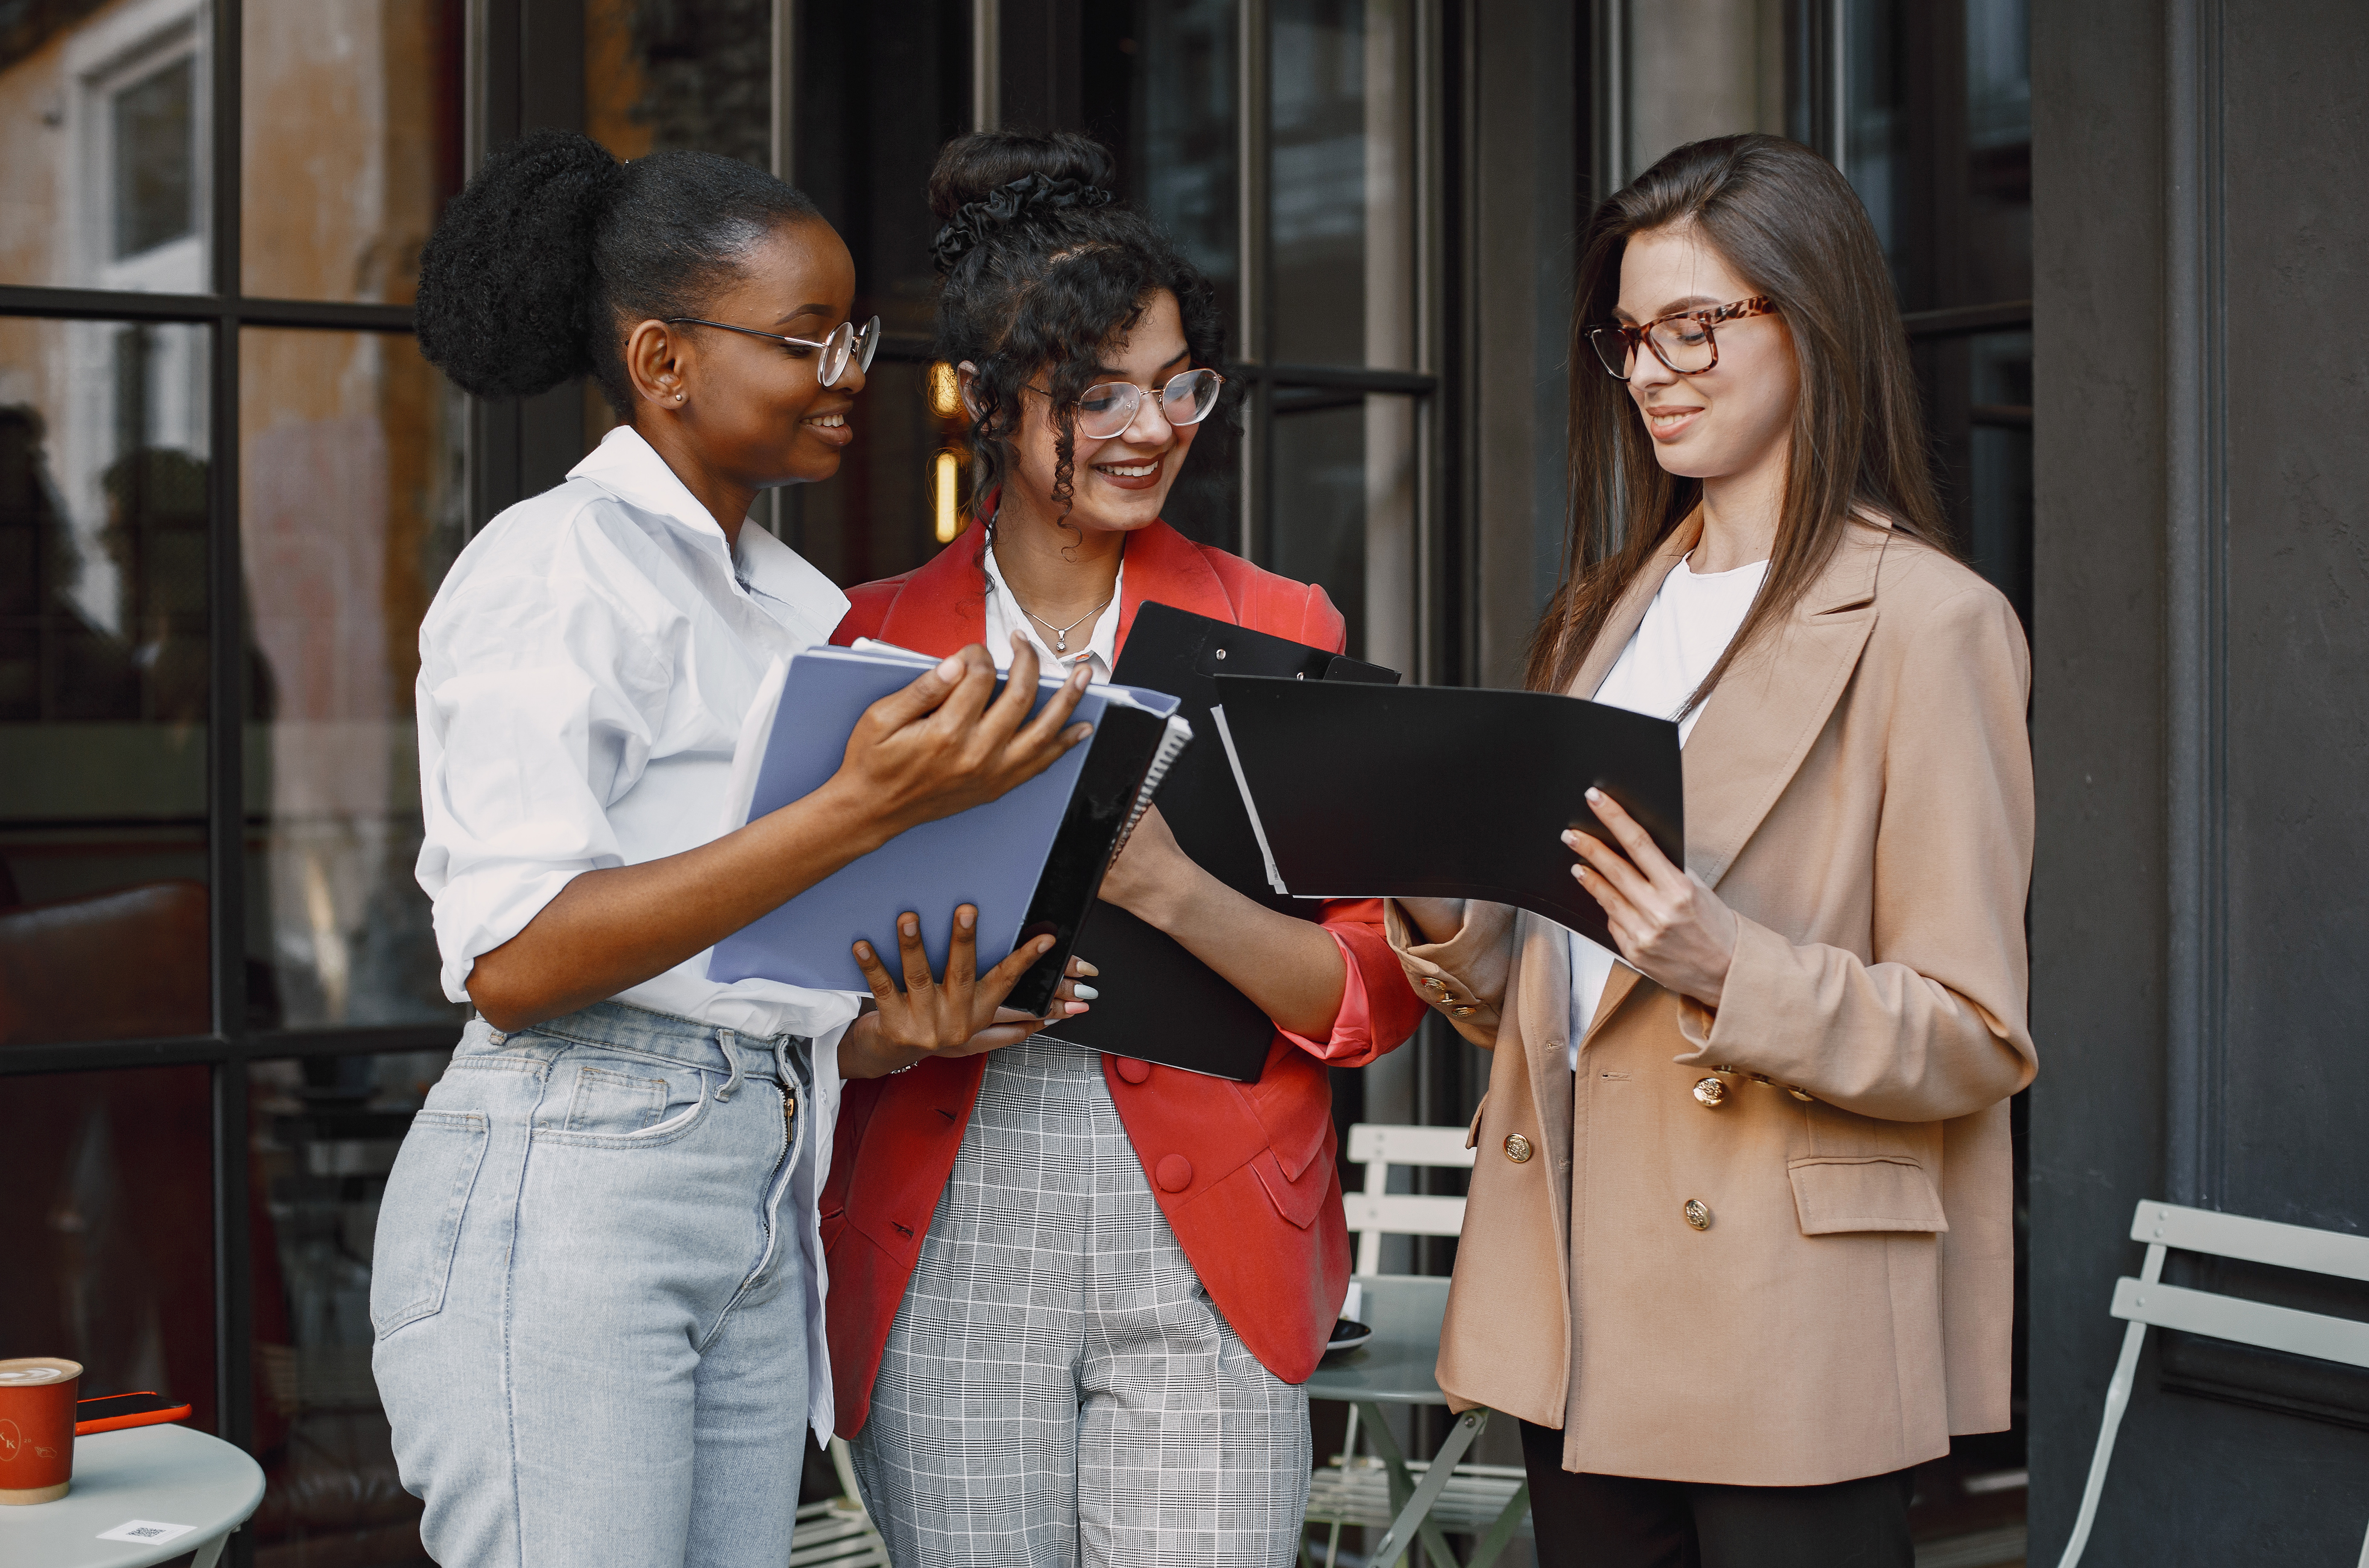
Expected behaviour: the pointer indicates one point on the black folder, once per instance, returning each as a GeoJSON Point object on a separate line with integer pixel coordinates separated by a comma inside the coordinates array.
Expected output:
{"type": "Point", "coordinates": [1442, 792]}
{"type": "Point", "coordinates": [1156, 1002]}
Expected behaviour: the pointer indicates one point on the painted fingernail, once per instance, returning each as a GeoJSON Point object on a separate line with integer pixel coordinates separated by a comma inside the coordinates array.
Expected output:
{"type": "Point", "coordinates": [950, 667]}
{"type": "Point", "coordinates": [1085, 993]}
{"type": "Point", "coordinates": [1594, 794]}
{"type": "Point", "coordinates": [1074, 1008]}
{"type": "Point", "coordinates": [1570, 837]}
{"type": "Point", "coordinates": [1085, 968]}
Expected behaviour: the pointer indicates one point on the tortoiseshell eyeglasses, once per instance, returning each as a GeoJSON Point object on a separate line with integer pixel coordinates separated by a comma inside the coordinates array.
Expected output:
{"type": "Point", "coordinates": [1682, 341]}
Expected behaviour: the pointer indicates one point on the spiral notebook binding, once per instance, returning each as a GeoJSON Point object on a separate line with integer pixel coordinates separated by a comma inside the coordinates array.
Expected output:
{"type": "Point", "coordinates": [1173, 741]}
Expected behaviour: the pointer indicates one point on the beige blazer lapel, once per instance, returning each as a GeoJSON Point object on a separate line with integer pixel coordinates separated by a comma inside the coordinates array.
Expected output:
{"type": "Point", "coordinates": [1770, 707]}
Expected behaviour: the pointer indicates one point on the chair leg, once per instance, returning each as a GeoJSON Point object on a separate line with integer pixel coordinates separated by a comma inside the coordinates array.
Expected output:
{"type": "Point", "coordinates": [1509, 1519]}
{"type": "Point", "coordinates": [1348, 1452]}
{"type": "Point", "coordinates": [2118, 1400]}
{"type": "Point", "coordinates": [1403, 1487]}
{"type": "Point", "coordinates": [1417, 1515]}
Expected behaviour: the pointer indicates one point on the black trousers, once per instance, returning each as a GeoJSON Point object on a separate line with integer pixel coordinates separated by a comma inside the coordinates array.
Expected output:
{"type": "Point", "coordinates": [1618, 1521]}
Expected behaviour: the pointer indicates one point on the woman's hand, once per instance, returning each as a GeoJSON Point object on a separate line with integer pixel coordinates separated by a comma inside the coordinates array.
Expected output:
{"type": "Point", "coordinates": [1670, 926]}
{"type": "Point", "coordinates": [939, 746]}
{"type": "Point", "coordinates": [959, 1015]}
{"type": "Point", "coordinates": [1151, 872]}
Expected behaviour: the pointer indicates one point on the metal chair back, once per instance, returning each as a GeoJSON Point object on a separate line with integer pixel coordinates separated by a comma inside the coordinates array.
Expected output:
{"type": "Point", "coordinates": [2147, 1302]}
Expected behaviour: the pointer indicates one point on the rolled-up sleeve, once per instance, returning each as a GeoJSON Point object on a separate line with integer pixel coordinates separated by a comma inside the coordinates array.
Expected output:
{"type": "Point", "coordinates": [539, 697]}
{"type": "Point", "coordinates": [1378, 1012]}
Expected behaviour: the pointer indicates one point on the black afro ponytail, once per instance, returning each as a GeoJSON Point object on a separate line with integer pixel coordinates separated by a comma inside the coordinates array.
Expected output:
{"type": "Point", "coordinates": [555, 249]}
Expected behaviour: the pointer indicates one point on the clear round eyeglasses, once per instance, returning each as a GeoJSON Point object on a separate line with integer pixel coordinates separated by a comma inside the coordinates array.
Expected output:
{"type": "Point", "coordinates": [1682, 341]}
{"type": "Point", "coordinates": [1108, 408]}
{"type": "Point", "coordinates": [847, 343]}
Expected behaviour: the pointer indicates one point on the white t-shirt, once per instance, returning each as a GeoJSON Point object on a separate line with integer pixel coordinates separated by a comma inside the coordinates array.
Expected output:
{"type": "Point", "coordinates": [1692, 621]}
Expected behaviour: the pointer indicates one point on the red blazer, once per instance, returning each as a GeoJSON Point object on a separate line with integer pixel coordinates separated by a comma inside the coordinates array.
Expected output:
{"type": "Point", "coordinates": [1244, 1173]}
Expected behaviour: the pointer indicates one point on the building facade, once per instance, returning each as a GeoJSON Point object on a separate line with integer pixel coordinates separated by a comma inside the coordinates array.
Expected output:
{"type": "Point", "coordinates": [229, 486]}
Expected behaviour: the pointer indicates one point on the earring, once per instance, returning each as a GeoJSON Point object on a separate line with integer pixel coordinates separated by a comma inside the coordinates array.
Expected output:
{"type": "Point", "coordinates": [677, 397]}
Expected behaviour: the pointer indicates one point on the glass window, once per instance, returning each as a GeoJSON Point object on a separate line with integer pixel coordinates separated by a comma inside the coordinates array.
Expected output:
{"type": "Point", "coordinates": [1160, 80]}
{"type": "Point", "coordinates": [864, 153]}
{"type": "Point", "coordinates": [661, 75]}
{"type": "Point", "coordinates": [155, 171]}
{"type": "Point", "coordinates": [325, 1131]}
{"type": "Point", "coordinates": [350, 509]}
{"type": "Point", "coordinates": [1342, 183]}
{"type": "Point", "coordinates": [1705, 68]}
{"type": "Point", "coordinates": [1344, 514]}
{"type": "Point", "coordinates": [352, 142]}
{"type": "Point", "coordinates": [108, 1229]}
{"type": "Point", "coordinates": [104, 679]}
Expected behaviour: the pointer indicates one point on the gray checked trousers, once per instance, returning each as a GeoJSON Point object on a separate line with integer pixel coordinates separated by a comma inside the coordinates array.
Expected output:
{"type": "Point", "coordinates": [1058, 1389]}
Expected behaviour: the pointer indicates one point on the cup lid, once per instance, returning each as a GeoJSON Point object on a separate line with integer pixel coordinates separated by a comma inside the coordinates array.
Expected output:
{"type": "Point", "coordinates": [30, 1371]}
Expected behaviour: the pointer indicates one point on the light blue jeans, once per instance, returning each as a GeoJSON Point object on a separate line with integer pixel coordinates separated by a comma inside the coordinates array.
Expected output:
{"type": "Point", "coordinates": [590, 1310]}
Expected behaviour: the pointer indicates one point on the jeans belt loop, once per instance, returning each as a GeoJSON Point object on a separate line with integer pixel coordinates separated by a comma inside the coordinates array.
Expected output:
{"type": "Point", "coordinates": [727, 1039]}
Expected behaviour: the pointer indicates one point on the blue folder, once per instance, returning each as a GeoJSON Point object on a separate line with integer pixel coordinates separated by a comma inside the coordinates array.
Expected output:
{"type": "Point", "coordinates": [1031, 861]}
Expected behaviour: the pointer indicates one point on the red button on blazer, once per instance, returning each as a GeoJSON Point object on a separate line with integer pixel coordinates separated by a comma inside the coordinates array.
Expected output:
{"type": "Point", "coordinates": [1256, 1204]}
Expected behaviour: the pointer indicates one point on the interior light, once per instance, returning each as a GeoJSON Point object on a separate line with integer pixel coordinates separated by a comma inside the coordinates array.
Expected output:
{"type": "Point", "coordinates": [945, 396]}
{"type": "Point", "coordinates": [945, 473]}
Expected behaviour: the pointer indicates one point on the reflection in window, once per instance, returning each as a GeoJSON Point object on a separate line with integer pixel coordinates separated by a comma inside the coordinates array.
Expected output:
{"type": "Point", "coordinates": [155, 172]}
{"type": "Point", "coordinates": [325, 1131]}
{"type": "Point", "coordinates": [666, 74]}
{"type": "Point", "coordinates": [352, 142]}
{"type": "Point", "coordinates": [350, 509]}
{"type": "Point", "coordinates": [108, 1229]}
{"type": "Point", "coordinates": [104, 680]}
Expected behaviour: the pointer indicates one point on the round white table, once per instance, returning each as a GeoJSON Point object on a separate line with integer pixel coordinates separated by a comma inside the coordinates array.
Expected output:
{"type": "Point", "coordinates": [155, 1475]}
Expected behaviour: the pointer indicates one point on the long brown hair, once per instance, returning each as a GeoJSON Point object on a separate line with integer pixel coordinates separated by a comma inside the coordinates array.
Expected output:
{"type": "Point", "coordinates": [1788, 224]}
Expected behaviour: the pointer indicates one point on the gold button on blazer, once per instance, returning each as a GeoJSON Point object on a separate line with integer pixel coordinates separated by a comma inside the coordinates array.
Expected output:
{"type": "Point", "coordinates": [1787, 1291]}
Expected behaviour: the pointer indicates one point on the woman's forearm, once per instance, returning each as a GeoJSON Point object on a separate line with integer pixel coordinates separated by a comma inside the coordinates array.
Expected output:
{"type": "Point", "coordinates": [612, 929]}
{"type": "Point", "coordinates": [1290, 967]}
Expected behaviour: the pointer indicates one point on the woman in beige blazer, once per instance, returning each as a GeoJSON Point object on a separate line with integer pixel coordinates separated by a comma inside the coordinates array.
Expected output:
{"type": "Point", "coordinates": [1738, 1251]}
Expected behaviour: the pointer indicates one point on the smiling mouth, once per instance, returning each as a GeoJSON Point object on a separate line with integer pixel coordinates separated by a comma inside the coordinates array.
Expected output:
{"type": "Point", "coordinates": [1129, 470]}
{"type": "Point", "coordinates": [826, 421]}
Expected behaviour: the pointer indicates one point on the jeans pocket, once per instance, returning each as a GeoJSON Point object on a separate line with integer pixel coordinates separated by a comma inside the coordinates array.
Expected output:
{"type": "Point", "coordinates": [419, 1220]}
{"type": "Point", "coordinates": [618, 1102]}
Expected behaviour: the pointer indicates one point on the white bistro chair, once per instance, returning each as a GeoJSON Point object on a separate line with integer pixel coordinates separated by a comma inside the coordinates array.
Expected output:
{"type": "Point", "coordinates": [1414, 1498]}
{"type": "Point", "coordinates": [2146, 1302]}
{"type": "Point", "coordinates": [836, 1532]}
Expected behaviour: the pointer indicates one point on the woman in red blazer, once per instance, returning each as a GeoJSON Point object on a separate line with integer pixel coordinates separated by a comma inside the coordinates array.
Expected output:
{"type": "Point", "coordinates": [1072, 1295]}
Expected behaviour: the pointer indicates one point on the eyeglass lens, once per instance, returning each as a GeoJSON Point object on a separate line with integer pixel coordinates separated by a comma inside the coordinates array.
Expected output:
{"type": "Point", "coordinates": [1682, 343]}
{"type": "Point", "coordinates": [846, 342]}
{"type": "Point", "coordinates": [1108, 409]}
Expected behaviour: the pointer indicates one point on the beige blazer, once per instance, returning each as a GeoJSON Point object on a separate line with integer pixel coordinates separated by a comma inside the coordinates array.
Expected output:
{"type": "Point", "coordinates": [1810, 1278]}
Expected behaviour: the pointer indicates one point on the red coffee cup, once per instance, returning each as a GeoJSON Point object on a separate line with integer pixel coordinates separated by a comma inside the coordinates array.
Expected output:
{"type": "Point", "coordinates": [37, 1418]}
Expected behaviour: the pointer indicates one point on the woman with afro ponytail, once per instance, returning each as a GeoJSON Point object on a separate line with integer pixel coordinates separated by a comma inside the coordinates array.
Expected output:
{"type": "Point", "coordinates": [596, 1283]}
{"type": "Point", "coordinates": [1093, 1352]}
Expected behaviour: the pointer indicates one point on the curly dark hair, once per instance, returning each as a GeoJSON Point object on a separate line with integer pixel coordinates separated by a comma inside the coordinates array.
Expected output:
{"type": "Point", "coordinates": [1039, 269]}
{"type": "Point", "coordinates": [555, 249]}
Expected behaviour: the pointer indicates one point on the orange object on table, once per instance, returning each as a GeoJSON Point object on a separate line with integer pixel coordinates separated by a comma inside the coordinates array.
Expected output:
{"type": "Point", "coordinates": [37, 1423]}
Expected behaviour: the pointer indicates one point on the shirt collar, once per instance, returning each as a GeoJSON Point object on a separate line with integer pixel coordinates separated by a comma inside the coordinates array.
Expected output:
{"type": "Point", "coordinates": [793, 591]}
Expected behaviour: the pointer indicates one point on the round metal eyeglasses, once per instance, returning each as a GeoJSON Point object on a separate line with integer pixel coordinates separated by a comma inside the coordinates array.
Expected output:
{"type": "Point", "coordinates": [1108, 408]}
{"type": "Point", "coordinates": [1682, 341]}
{"type": "Point", "coordinates": [846, 344]}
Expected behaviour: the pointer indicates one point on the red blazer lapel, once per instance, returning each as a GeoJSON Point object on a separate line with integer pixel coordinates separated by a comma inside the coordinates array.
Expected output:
{"type": "Point", "coordinates": [943, 605]}
{"type": "Point", "coordinates": [1165, 568]}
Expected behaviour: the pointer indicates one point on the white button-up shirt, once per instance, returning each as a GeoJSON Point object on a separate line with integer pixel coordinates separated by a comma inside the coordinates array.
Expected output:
{"type": "Point", "coordinates": [584, 672]}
